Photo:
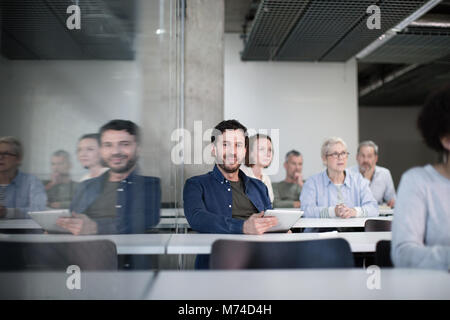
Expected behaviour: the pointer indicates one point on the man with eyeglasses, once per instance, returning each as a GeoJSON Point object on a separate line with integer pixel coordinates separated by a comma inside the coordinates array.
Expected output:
{"type": "Point", "coordinates": [19, 192]}
{"type": "Point", "coordinates": [337, 192]}
{"type": "Point", "coordinates": [380, 179]}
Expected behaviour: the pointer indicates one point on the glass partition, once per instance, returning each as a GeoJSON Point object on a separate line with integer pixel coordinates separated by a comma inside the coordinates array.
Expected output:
{"type": "Point", "coordinates": [90, 93]}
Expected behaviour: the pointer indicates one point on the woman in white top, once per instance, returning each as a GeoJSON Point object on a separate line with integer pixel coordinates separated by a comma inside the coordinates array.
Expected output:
{"type": "Point", "coordinates": [259, 157]}
{"type": "Point", "coordinates": [88, 152]}
{"type": "Point", "coordinates": [421, 225]}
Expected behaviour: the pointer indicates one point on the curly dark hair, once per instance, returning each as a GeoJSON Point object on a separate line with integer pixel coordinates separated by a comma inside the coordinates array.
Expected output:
{"type": "Point", "coordinates": [434, 119]}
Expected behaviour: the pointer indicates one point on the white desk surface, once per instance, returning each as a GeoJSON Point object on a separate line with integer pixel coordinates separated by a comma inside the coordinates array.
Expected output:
{"type": "Point", "coordinates": [31, 224]}
{"type": "Point", "coordinates": [109, 285]}
{"type": "Point", "coordinates": [335, 222]}
{"type": "Point", "coordinates": [172, 223]}
{"type": "Point", "coordinates": [171, 212]}
{"type": "Point", "coordinates": [125, 243]}
{"type": "Point", "coordinates": [201, 243]}
{"type": "Point", "coordinates": [340, 284]}
{"type": "Point", "coordinates": [19, 224]}
{"type": "Point", "coordinates": [386, 211]}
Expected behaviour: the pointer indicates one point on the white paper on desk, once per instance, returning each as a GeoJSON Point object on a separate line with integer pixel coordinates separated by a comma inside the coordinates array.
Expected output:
{"type": "Point", "coordinates": [330, 234]}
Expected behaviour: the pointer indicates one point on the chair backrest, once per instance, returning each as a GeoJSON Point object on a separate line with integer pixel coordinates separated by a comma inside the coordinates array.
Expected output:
{"type": "Point", "coordinates": [372, 225]}
{"type": "Point", "coordinates": [323, 253]}
{"type": "Point", "coordinates": [383, 254]}
{"type": "Point", "coordinates": [57, 256]}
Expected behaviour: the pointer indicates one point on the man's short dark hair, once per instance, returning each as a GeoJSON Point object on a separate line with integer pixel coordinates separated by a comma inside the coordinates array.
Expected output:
{"type": "Point", "coordinates": [120, 125]}
{"type": "Point", "coordinates": [434, 119]}
{"type": "Point", "coordinates": [294, 153]}
{"type": "Point", "coordinates": [94, 136]}
{"type": "Point", "coordinates": [228, 125]}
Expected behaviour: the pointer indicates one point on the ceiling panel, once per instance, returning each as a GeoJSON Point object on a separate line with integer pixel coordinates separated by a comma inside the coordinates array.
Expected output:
{"type": "Point", "coordinates": [413, 45]}
{"type": "Point", "coordinates": [319, 30]}
{"type": "Point", "coordinates": [37, 30]}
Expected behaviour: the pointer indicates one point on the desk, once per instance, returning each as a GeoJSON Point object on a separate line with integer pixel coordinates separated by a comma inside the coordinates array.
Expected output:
{"type": "Point", "coordinates": [8, 224]}
{"type": "Point", "coordinates": [94, 285]}
{"type": "Point", "coordinates": [300, 284]}
{"type": "Point", "coordinates": [30, 224]}
{"type": "Point", "coordinates": [202, 243]}
{"type": "Point", "coordinates": [253, 285]}
{"type": "Point", "coordinates": [335, 222]}
{"type": "Point", "coordinates": [199, 243]}
{"type": "Point", "coordinates": [125, 243]}
{"type": "Point", "coordinates": [386, 211]}
{"type": "Point", "coordinates": [168, 223]}
{"type": "Point", "coordinates": [171, 212]}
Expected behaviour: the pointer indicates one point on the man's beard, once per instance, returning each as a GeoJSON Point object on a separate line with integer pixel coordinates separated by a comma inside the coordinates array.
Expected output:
{"type": "Point", "coordinates": [130, 164]}
{"type": "Point", "coordinates": [229, 170]}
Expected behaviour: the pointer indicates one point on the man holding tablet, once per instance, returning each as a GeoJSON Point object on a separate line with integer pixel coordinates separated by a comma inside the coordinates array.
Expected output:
{"type": "Point", "coordinates": [120, 200]}
{"type": "Point", "coordinates": [225, 200]}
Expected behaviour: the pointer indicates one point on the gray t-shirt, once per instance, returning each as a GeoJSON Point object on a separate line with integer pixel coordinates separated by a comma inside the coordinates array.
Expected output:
{"type": "Point", "coordinates": [421, 224]}
{"type": "Point", "coordinates": [62, 192]}
{"type": "Point", "coordinates": [285, 194]}
{"type": "Point", "coordinates": [105, 204]}
{"type": "Point", "coordinates": [242, 207]}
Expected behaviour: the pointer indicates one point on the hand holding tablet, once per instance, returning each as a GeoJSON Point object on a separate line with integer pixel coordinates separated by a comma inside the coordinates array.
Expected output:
{"type": "Point", "coordinates": [286, 219]}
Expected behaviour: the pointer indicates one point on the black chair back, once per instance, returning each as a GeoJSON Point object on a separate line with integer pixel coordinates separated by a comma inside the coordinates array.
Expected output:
{"type": "Point", "coordinates": [323, 253]}
{"type": "Point", "coordinates": [383, 254]}
{"type": "Point", "coordinates": [372, 225]}
{"type": "Point", "coordinates": [57, 256]}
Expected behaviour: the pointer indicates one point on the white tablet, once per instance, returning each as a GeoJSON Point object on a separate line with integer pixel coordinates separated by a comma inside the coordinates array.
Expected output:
{"type": "Point", "coordinates": [286, 219]}
{"type": "Point", "coordinates": [47, 219]}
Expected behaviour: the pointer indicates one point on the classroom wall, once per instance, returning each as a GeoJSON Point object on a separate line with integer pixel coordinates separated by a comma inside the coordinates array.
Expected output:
{"type": "Point", "coordinates": [394, 130]}
{"type": "Point", "coordinates": [306, 101]}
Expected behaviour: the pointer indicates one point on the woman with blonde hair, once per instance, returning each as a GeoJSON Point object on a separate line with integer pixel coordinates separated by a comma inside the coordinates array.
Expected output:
{"type": "Point", "coordinates": [337, 192]}
{"type": "Point", "coordinates": [259, 156]}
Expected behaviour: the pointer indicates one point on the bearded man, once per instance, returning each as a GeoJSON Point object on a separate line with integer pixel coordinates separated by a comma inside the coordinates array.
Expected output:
{"type": "Point", "coordinates": [120, 200]}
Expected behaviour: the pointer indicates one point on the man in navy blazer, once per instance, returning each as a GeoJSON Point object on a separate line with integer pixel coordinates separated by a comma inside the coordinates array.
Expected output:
{"type": "Point", "coordinates": [225, 200]}
{"type": "Point", "coordinates": [120, 200]}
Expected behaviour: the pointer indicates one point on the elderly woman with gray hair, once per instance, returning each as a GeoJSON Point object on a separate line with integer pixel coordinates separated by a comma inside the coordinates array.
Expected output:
{"type": "Point", "coordinates": [337, 192]}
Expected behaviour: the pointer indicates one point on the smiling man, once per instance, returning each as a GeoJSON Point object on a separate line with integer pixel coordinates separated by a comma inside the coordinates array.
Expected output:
{"type": "Point", "coordinates": [120, 200]}
{"type": "Point", "coordinates": [225, 200]}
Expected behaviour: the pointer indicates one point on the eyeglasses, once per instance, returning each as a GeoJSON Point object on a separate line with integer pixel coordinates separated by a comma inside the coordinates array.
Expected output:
{"type": "Point", "coordinates": [4, 154]}
{"type": "Point", "coordinates": [336, 155]}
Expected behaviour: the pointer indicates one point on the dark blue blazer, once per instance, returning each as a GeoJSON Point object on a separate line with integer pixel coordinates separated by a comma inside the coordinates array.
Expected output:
{"type": "Point", "coordinates": [208, 204]}
{"type": "Point", "coordinates": [138, 203]}
{"type": "Point", "coordinates": [208, 201]}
